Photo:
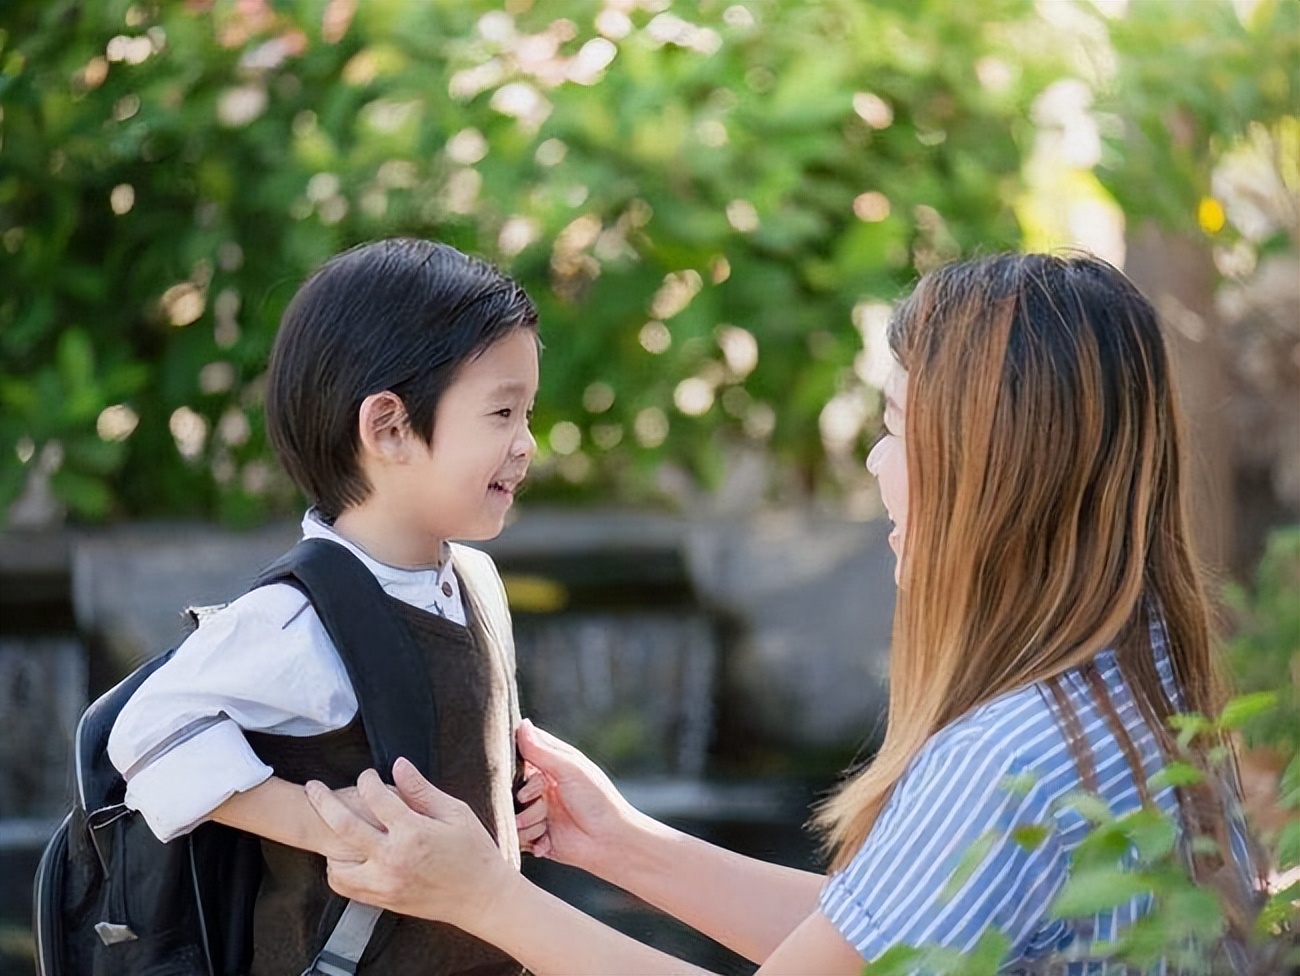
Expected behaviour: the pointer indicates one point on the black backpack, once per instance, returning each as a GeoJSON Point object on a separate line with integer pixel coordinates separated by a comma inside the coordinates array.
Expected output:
{"type": "Point", "coordinates": [110, 899]}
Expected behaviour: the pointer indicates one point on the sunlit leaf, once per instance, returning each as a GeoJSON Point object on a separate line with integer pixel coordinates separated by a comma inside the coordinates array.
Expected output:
{"type": "Point", "coordinates": [1243, 708]}
{"type": "Point", "coordinates": [1088, 892]}
{"type": "Point", "coordinates": [970, 861]}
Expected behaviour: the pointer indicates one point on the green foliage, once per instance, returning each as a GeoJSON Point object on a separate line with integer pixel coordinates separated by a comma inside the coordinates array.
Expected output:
{"type": "Point", "coordinates": [1265, 651]}
{"type": "Point", "coordinates": [1265, 654]}
{"type": "Point", "coordinates": [1189, 80]}
{"type": "Point", "coordinates": [1133, 856]}
{"type": "Point", "coordinates": [1139, 855]}
{"type": "Point", "coordinates": [701, 197]}
{"type": "Point", "coordinates": [746, 175]}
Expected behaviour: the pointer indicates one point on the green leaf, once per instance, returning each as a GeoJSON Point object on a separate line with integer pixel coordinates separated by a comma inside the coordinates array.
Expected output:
{"type": "Point", "coordinates": [76, 360]}
{"type": "Point", "coordinates": [1090, 806]}
{"type": "Point", "coordinates": [1279, 909]}
{"type": "Point", "coordinates": [1243, 708]}
{"type": "Point", "coordinates": [1021, 783]}
{"type": "Point", "coordinates": [1175, 774]}
{"type": "Point", "coordinates": [1289, 784]}
{"type": "Point", "coordinates": [1152, 833]}
{"type": "Point", "coordinates": [894, 961]}
{"type": "Point", "coordinates": [1031, 836]}
{"type": "Point", "coordinates": [971, 859]}
{"type": "Point", "coordinates": [1189, 726]}
{"type": "Point", "coordinates": [987, 956]}
{"type": "Point", "coordinates": [1194, 910]}
{"type": "Point", "coordinates": [1288, 846]}
{"type": "Point", "coordinates": [1104, 846]}
{"type": "Point", "coordinates": [86, 495]}
{"type": "Point", "coordinates": [1088, 892]}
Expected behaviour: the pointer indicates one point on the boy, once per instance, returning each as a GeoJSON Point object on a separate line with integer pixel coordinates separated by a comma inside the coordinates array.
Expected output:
{"type": "Point", "coordinates": [398, 399]}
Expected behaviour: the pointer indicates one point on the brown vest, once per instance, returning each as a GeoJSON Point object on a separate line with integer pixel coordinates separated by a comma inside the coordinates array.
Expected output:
{"type": "Point", "coordinates": [473, 695]}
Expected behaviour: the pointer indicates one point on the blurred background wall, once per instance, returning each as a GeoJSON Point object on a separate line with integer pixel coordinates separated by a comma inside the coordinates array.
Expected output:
{"type": "Point", "coordinates": [714, 205]}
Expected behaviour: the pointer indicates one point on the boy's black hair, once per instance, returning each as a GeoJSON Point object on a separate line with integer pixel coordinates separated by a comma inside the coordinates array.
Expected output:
{"type": "Point", "coordinates": [401, 315]}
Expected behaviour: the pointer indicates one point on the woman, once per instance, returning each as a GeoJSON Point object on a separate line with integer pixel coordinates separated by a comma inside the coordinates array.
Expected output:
{"type": "Point", "coordinates": [1050, 620]}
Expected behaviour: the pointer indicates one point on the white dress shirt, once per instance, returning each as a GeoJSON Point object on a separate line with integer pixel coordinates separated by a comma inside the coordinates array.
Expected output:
{"type": "Point", "coordinates": [262, 663]}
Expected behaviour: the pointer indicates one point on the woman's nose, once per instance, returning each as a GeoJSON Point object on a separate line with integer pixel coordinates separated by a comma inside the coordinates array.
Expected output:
{"type": "Point", "coordinates": [875, 456]}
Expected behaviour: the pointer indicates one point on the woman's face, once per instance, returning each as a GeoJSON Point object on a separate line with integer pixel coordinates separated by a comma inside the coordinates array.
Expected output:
{"type": "Point", "coordinates": [888, 462]}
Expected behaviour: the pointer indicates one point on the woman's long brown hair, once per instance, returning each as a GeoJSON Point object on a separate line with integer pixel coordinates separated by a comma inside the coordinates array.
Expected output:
{"type": "Point", "coordinates": [1046, 515]}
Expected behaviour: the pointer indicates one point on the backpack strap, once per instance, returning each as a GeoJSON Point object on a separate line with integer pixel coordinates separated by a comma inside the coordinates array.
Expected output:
{"type": "Point", "coordinates": [376, 648]}
{"type": "Point", "coordinates": [396, 712]}
{"type": "Point", "coordinates": [343, 950]}
{"type": "Point", "coordinates": [489, 612]}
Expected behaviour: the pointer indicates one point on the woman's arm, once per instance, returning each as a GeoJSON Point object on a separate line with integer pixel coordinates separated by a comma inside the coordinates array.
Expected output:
{"type": "Point", "coordinates": [549, 936]}
{"type": "Point", "coordinates": [746, 904]}
{"type": "Point", "coordinates": [433, 859]}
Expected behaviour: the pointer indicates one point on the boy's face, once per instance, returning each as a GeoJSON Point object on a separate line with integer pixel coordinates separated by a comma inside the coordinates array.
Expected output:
{"type": "Point", "coordinates": [463, 483]}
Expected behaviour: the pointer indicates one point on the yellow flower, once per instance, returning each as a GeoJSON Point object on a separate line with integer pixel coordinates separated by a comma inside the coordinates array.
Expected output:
{"type": "Point", "coordinates": [1210, 215]}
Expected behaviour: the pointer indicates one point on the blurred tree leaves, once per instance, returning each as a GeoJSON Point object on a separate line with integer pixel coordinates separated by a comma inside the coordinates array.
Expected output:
{"type": "Point", "coordinates": [697, 195]}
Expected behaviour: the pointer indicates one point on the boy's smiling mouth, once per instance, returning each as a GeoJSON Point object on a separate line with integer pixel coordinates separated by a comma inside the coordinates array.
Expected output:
{"type": "Point", "coordinates": [505, 486]}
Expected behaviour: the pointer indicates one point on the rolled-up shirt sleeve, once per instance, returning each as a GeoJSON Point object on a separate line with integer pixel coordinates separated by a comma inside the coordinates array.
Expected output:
{"type": "Point", "coordinates": [179, 789]}
{"type": "Point", "coordinates": [913, 884]}
{"type": "Point", "coordinates": [262, 664]}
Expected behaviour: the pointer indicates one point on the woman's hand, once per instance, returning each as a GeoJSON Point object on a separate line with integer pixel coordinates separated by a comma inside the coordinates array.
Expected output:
{"type": "Point", "coordinates": [429, 856]}
{"type": "Point", "coordinates": [530, 821]}
{"type": "Point", "coordinates": [352, 800]}
{"type": "Point", "coordinates": [586, 817]}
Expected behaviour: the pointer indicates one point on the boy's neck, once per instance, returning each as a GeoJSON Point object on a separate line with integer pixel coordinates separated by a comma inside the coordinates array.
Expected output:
{"type": "Point", "coordinates": [390, 544]}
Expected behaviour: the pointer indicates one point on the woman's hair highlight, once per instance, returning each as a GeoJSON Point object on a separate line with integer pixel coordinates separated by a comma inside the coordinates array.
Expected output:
{"type": "Point", "coordinates": [1046, 514]}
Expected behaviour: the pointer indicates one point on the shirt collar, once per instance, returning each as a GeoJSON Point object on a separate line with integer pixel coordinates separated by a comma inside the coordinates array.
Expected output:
{"type": "Point", "coordinates": [314, 527]}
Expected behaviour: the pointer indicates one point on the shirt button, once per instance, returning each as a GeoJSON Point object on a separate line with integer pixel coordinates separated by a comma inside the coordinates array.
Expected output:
{"type": "Point", "coordinates": [446, 589]}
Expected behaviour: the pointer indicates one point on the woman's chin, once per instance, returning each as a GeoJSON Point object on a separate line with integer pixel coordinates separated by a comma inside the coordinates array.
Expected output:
{"type": "Point", "coordinates": [896, 546]}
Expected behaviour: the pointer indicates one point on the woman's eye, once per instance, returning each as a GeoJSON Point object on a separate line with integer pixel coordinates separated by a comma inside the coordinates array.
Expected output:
{"type": "Point", "coordinates": [505, 412]}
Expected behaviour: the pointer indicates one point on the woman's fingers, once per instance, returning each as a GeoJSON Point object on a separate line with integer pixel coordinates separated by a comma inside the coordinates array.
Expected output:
{"type": "Point", "coordinates": [386, 806]}
{"type": "Point", "coordinates": [422, 796]}
{"type": "Point", "coordinates": [543, 739]}
{"type": "Point", "coordinates": [534, 786]}
{"type": "Point", "coordinates": [531, 815]}
{"type": "Point", "coordinates": [357, 835]}
{"type": "Point", "coordinates": [544, 751]}
{"type": "Point", "coordinates": [530, 823]}
{"type": "Point", "coordinates": [531, 820]}
{"type": "Point", "coordinates": [528, 836]}
{"type": "Point", "coordinates": [350, 879]}
{"type": "Point", "coordinates": [352, 800]}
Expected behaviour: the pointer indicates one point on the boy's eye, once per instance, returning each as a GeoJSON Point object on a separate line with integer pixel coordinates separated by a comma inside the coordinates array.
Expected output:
{"type": "Point", "coordinates": [506, 412]}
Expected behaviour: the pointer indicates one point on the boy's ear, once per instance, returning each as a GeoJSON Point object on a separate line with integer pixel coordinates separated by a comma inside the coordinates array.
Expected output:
{"type": "Point", "coordinates": [384, 426]}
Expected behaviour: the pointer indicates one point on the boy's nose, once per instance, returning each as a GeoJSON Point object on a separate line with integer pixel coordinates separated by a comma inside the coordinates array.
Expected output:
{"type": "Point", "coordinates": [526, 444]}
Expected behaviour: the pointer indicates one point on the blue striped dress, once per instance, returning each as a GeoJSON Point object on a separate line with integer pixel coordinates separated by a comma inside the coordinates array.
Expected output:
{"type": "Point", "coordinates": [956, 792]}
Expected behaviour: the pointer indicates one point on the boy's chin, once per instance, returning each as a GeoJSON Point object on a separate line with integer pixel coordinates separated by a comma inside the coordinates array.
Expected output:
{"type": "Point", "coordinates": [481, 532]}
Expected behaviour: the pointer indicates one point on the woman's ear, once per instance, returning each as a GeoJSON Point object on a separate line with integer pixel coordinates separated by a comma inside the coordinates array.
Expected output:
{"type": "Point", "coordinates": [384, 427]}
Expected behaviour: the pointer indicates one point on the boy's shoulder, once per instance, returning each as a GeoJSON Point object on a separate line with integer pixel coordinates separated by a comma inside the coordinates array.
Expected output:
{"type": "Point", "coordinates": [463, 555]}
{"type": "Point", "coordinates": [477, 571]}
{"type": "Point", "coordinates": [485, 595]}
{"type": "Point", "coordinates": [271, 607]}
